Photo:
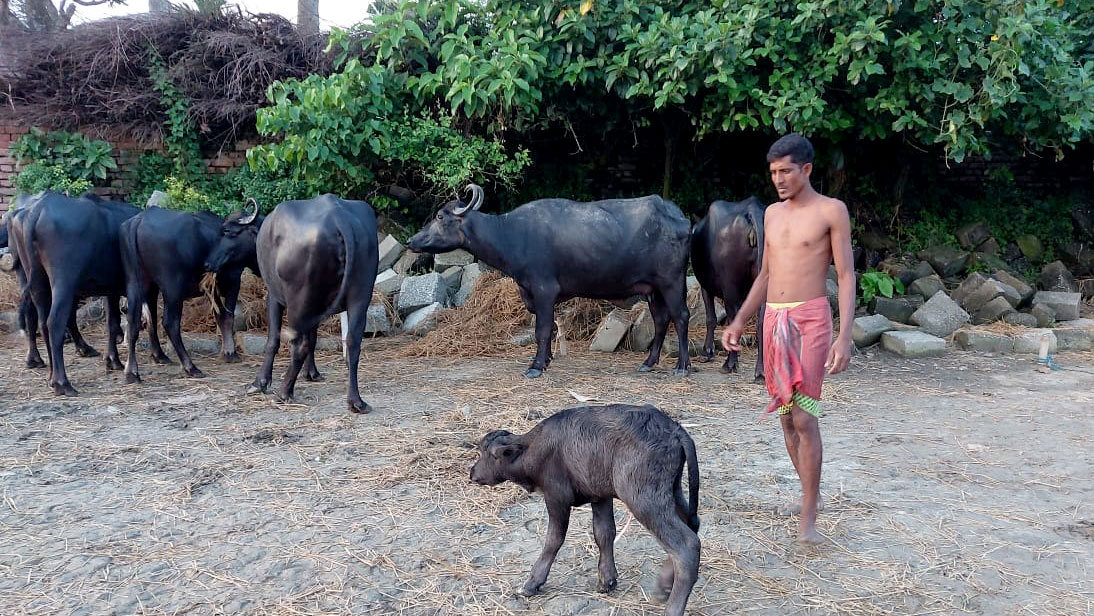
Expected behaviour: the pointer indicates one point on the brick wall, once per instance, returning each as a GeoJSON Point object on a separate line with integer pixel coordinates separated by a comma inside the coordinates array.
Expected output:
{"type": "Point", "coordinates": [126, 153]}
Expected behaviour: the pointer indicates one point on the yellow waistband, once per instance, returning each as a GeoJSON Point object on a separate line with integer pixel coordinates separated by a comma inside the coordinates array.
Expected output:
{"type": "Point", "coordinates": [784, 305]}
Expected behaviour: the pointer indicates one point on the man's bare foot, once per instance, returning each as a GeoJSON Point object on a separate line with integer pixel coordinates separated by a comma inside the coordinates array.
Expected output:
{"type": "Point", "coordinates": [810, 537]}
{"type": "Point", "coordinates": [795, 507]}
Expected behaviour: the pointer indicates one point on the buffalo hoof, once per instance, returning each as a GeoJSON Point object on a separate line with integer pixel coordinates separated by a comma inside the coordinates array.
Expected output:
{"type": "Point", "coordinates": [64, 389]}
{"type": "Point", "coordinates": [313, 377]}
{"type": "Point", "coordinates": [87, 351]}
{"type": "Point", "coordinates": [160, 359]}
{"type": "Point", "coordinates": [729, 369]}
{"type": "Point", "coordinates": [704, 359]}
{"type": "Point", "coordinates": [359, 406]}
{"type": "Point", "coordinates": [132, 378]}
{"type": "Point", "coordinates": [533, 373]}
{"type": "Point", "coordinates": [681, 371]}
{"type": "Point", "coordinates": [285, 397]}
{"type": "Point", "coordinates": [530, 589]}
{"type": "Point", "coordinates": [759, 379]}
{"type": "Point", "coordinates": [258, 387]}
{"type": "Point", "coordinates": [193, 373]}
{"type": "Point", "coordinates": [606, 587]}
{"type": "Point", "coordinates": [231, 358]}
{"type": "Point", "coordinates": [35, 363]}
{"type": "Point", "coordinates": [112, 363]}
{"type": "Point", "coordinates": [645, 368]}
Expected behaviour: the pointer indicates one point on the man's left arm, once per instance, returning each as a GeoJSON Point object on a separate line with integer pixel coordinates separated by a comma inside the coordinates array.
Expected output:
{"type": "Point", "coordinates": [840, 355]}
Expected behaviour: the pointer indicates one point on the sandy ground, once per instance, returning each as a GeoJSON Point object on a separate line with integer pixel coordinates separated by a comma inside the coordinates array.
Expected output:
{"type": "Point", "coordinates": [960, 485]}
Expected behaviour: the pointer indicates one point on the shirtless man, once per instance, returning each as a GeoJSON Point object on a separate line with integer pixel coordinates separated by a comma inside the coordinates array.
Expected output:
{"type": "Point", "coordinates": [803, 234]}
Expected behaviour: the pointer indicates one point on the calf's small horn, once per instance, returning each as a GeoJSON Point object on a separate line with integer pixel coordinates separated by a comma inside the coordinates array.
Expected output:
{"type": "Point", "coordinates": [246, 220]}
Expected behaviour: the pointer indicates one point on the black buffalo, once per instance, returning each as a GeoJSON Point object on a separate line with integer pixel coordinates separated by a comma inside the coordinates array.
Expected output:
{"type": "Point", "coordinates": [69, 248]}
{"type": "Point", "coordinates": [556, 249]}
{"type": "Point", "coordinates": [726, 253]}
{"type": "Point", "coordinates": [169, 252]}
{"type": "Point", "coordinates": [26, 315]}
{"type": "Point", "coordinates": [593, 455]}
{"type": "Point", "coordinates": [318, 257]}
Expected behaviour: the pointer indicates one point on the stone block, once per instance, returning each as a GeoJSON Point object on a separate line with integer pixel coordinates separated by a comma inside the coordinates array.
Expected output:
{"type": "Point", "coordinates": [927, 286]}
{"type": "Point", "coordinates": [1056, 277]}
{"type": "Point", "coordinates": [1072, 338]}
{"type": "Point", "coordinates": [922, 270]}
{"type": "Point", "coordinates": [456, 258]}
{"type": "Point", "coordinates": [1044, 314]}
{"type": "Point", "coordinates": [253, 344]}
{"type": "Point", "coordinates": [898, 270]}
{"type": "Point", "coordinates": [418, 292]}
{"type": "Point", "coordinates": [611, 332]}
{"type": "Point", "coordinates": [898, 309]}
{"type": "Point", "coordinates": [423, 319]}
{"type": "Point", "coordinates": [1025, 292]}
{"type": "Point", "coordinates": [8, 320]}
{"type": "Point", "coordinates": [388, 282]}
{"type": "Point", "coordinates": [1020, 318]}
{"type": "Point", "coordinates": [1065, 305]}
{"type": "Point", "coordinates": [640, 336]}
{"type": "Point", "coordinates": [413, 262]}
{"type": "Point", "coordinates": [390, 251]}
{"type": "Point", "coordinates": [974, 234]}
{"type": "Point", "coordinates": [990, 247]}
{"type": "Point", "coordinates": [868, 330]}
{"type": "Point", "coordinates": [376, 320]}
{"type": "Point", "coordinates": [453, 276]}
{"type": "Point", "coordinates": [913, 344]}
{"type": "Point", "coordinates": [985, 342]}
{"type": "Point", "coordinates": [158, 198]}
{"type": "Point", "coordinates": [1030, 246]}
{"type": "Point", "coordinates": [940, 316]}
{"type": "Point", "coordinates": [947, 261]}
{"type": "Point", "coordinates": [831, 289]}
{"type": "Point", "coordinates": [992, 311]}
{"type": "Point", "coordinates": [985, 262]}
{"type": "Point", "coordinates": [1082, 323]}
{"type": "Point", "coordinates": [967, 287]}
{"type": "Point", "coordinates": [988, 291]}
{"type": "Point", "coordinates": [471, 273]}
{"type": "Point", "coordinates": [1030, 341]}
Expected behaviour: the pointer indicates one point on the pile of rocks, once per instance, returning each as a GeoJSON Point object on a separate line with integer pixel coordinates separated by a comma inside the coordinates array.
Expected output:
{"type": "Point", "coordinates": [416, 287]}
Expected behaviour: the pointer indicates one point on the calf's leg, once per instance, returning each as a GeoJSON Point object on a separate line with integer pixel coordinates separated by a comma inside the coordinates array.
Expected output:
{"type": "Point", "coordinates": [558, 514]}
{"type": "Point", "coordinates": [604, 533]}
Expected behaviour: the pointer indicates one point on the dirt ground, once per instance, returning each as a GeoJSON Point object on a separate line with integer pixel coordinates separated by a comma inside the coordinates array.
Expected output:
{"type": "Point", "coordinates": [958, 485]}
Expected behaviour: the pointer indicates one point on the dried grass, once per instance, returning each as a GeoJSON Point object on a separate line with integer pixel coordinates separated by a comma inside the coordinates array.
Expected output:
{"type": "Point", "coordinates": [10, 293]}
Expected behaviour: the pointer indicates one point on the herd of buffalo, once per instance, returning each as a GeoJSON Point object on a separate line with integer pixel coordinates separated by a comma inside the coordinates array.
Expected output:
{"type": "Point", "coordinates": [318, 257]}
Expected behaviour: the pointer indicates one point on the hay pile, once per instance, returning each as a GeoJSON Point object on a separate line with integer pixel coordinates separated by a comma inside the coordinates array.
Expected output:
{"type": "Point", "coordinates": [9, 292]}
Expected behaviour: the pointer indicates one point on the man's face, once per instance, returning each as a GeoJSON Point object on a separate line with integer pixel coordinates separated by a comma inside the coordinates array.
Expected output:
{"type": "Point", "coordinates": [789, 177]}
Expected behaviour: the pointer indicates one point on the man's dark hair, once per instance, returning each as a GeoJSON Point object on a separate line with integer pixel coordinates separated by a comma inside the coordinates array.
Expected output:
{"type": "Point", "coordinates": [794, 145]}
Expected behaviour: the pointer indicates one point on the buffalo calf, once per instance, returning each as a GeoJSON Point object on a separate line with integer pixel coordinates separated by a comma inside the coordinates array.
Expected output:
{"type": "Point", "coordinates": [591, 455]}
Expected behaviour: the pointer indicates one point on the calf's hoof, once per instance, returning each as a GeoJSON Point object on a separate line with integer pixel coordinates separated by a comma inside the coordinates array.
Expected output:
{"type": "Point", "coordinates": [359, 406]}
{"type": "Point", "coordinates": [606, 586]}
{"type": "Point", "coordinates": [131, 378]}
{"type": "Point", "coordinates": [284, 396]}
{"type": "Point", "coordinates": [645, 368]}
{"type": "Point", "coordinates": [160, 359]}
{"type": "Point", "coordinates": [313, 377]}
{"type": "Point", "coordinates": [258, 387]}
{"type": "Point", "coordinates": [533, 373]}
{"type": "Point", "coordinates": [704, 359]}
{"type": "Point", "coordinates": [759, 379]}
{"type": "Point", "coordinates": [681, 371]}
{"type": "Point", "coordinates": [112, 363]}
{"type": "Point", "coordinates": [193, 372]}
{"type": "Point", "coordinates": [726, 368]}
{"type": "Point", "coordinates": [231, 358]}
{"type": "Point", "coordinates": [86, 351]}
{"type": "Point", "coordinates": [35, 363]}
{"type": "Point", "coordinates": [531, 589]}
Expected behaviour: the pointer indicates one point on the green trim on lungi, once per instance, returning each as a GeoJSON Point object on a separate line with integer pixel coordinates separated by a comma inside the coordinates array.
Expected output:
{"type": "Point", "coordinates": [807, 404]}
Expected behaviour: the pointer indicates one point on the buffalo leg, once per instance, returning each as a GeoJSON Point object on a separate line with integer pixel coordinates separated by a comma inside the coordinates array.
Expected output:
{"type": "Point", "coordinates": [172, 324]}
{"type": "Point", "coordinates": [759, 378]}
{"type": "Point", "coordinates": [228, 296]}
{"type": "Point", "coordinates": [83, 349]}
{"type": "Point", "coordinates": [152, 301]}
{"type": "Point", "coordinates": [676, 299]}
{"type": "Point", "coordinates": [732, 357]}
{"type": "Point", "coordinates": [660, 314]}
{"type": "Point", "coordinates": [712, 321]}
{"type": "Point", "coordinates": [29, 315]}
{"type": "Point", "coordinates": [545, 327]}
{"type": "Point", "coordinates": [58, 309]}
{"type": "Point", "coordinates": [135, 298]}
{"type": "Point", "coordinates": [113, 330]}
{"type": "Point", "coordinates": [526, 297]}
{"type": "Point", "coordinates": [681, 570]}
{"type": "Point", "coordinates": [558, 514]}
{"type": "Point", "coordinates": [604, 533]}
{"type": "Point", "coordinates": [311, 371]}
{"type": "Point", "coordinates": [301, 347]}
{"type": "Point", "coordinates": [357, 318]}
{"type": "Point", "coordinates": [274, 313]}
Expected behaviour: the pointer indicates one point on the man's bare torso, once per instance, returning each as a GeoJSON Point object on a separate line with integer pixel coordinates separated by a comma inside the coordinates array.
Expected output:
{"type": "Point", "coordinates": [798, 249]}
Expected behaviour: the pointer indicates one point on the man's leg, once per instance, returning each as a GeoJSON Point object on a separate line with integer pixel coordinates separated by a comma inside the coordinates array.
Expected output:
{"type": "Point", "coordinates": [806, 430]}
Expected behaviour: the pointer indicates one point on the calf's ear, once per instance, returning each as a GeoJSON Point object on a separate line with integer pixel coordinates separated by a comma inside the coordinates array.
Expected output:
{"type": "Point", "coordinates": [507, 451]}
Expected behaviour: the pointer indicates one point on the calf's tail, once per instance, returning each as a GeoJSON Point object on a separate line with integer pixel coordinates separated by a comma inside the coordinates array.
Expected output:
{"type": "Point", "coordinates": [693, 478]}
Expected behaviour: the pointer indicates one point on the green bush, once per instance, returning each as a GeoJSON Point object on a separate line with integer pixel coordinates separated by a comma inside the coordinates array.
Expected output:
{"type": "Point", "coordinates": [873, 283]}
{"type": "Point", "coordinates": [77, 155]}
{"type": "Point", "coordinates": [36, 177]}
